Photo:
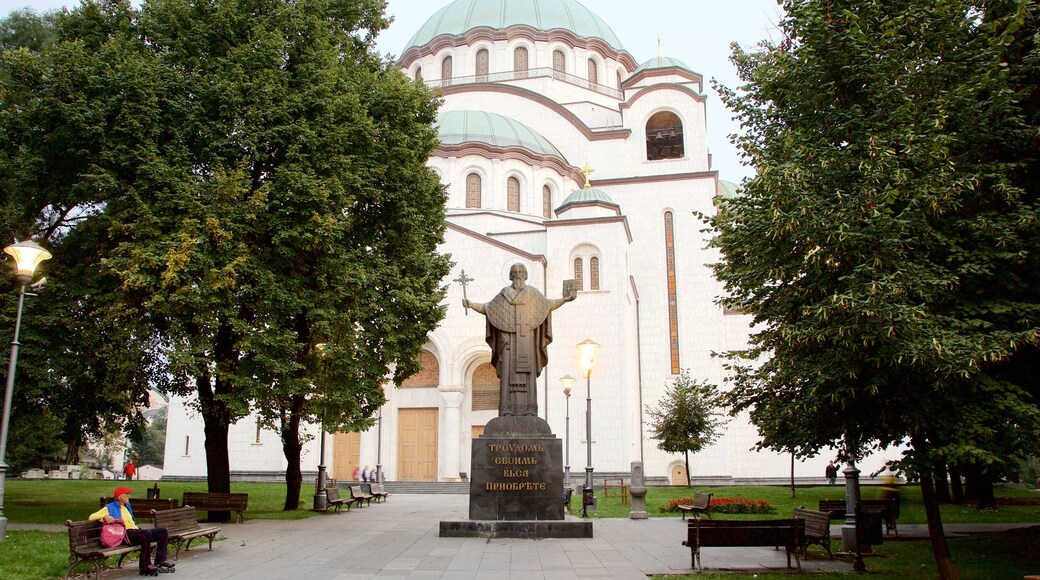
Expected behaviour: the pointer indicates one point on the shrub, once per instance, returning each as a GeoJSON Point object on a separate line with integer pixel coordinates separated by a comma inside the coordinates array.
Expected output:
{"type": "Point", "coordinates": [725, 505]}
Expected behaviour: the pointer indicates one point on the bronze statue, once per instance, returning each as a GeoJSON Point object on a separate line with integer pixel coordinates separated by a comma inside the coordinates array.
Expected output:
{"type": "Point", "coordinates": [519, 330]}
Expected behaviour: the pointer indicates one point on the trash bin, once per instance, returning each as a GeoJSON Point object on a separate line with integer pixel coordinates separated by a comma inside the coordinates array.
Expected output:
{"type": "Point", "coordinates": [868, 528]}
{"type": "Point", "coordinates": [153, 492]}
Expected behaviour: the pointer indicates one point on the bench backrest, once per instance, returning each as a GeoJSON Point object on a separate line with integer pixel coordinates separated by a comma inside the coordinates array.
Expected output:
{"type": "Point", "coordinates": [355, 492]}
{"type": "Point", "coordinates": [203, 500]}
{"type": "Point", "coordinates": [143, 507]}
{"type": "Point", "coordinates": [176, 519]}
{"type": "Point", "coordinates": [332, 493]}
{"type": "Point", "coordinates": [817, 523]}
{"type": "Point", "coordinates": [836, 507]}
{"type": "Point", "coordinates": [701, 500]}
{"type": "Point", "coordinates": [718, 533]}
{"type": "Point", "coordinates": [84, 535]}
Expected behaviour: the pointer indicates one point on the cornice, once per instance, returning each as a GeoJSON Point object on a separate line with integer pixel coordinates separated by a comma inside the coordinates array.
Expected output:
{"type": "Point", "coordinates": [503, 246]}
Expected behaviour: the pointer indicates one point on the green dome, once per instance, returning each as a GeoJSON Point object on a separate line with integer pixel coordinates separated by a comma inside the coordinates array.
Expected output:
{"type": "Point", "coordinates": [463, 15]}
{"type": "Point", "coordinates": [659, 62]}
{"type": "Point", "coordinates": [587, 195]}
{"type": "Point", "coordinates": [457, 127]}
{"type": "Point", "coordinates": [727, 190]}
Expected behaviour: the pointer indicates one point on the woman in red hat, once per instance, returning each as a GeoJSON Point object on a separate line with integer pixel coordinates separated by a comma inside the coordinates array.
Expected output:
{"type": "Point", "coordinates": [119, 509]}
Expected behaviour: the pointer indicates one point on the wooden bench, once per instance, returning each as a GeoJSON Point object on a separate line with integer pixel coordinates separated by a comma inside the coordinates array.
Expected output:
{"type": "Point", "coordinates": [359, 495]}
{"type": "Point", "coordinates": [183, 527]}
{"type": "Point", "coordinates": [143, 507]}
{"type": "Point", "coordinates": [888, 508]}
{"type": "Point", "coordinates": [701, 505]}
{"type": "Point", "coordinates": [817, 529]}
{"type": "Point", "coordinates": [744, 533]}
{"type": "Point", "coordinates": [85, 546]}
{"type": "Point", "coordinates": [218, 502]}
{"type": "Point", "coordinates": [333, 499]}
{"type": "Point", "coordinates": [567, 493]}
{"type": "Point", "coordinates": [378, 492]}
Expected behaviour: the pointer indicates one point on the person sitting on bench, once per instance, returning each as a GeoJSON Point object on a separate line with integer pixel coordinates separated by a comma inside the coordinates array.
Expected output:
{"type": "Point", "coordinates": [119, 508]}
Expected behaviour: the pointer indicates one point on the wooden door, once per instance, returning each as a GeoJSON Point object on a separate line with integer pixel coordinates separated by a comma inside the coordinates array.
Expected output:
{"type": "Point", "coordinates": [478, 430]}
{"type": "Point", "coordinates": [679, 476]}
{"type": "Point", "coordinates": [417, 445]}
{"type": "Point", "coordinates": [346, 453]}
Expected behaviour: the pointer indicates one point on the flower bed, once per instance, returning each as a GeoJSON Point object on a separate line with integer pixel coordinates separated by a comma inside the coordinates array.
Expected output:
{"type": "Point", "coordinates": [725, 505]}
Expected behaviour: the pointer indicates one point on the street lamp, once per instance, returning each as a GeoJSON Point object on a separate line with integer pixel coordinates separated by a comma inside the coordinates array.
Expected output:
{"type": "Point", "coordinates": [588, 357]}
{"type": "Point", "coordinates": [568, 383]}
{"type": "Point", "coordinates": [379, 448]}
{"type": "Point", "coordinates": [321, 495]}
{"type": "Point", "coordinates": [27, 255]}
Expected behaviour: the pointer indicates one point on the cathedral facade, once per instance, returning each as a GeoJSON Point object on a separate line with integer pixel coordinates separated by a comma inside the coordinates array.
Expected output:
{"type": "Point", "coordinates": [562, 152]}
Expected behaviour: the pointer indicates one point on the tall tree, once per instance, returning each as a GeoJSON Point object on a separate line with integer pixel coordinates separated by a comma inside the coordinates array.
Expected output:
{"type": "Point", "coordinates": [886, 246]}
{"type": "Point", "coordinates": [687, 419]}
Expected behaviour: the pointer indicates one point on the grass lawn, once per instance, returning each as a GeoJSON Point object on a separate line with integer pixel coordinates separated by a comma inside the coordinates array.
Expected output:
{"type": "Point", "coordinates": [1016, 504]}
{"type": "Point", "coordinates": [45, 501]}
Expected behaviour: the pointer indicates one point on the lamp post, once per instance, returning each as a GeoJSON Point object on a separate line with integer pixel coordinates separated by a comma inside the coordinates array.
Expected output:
{"type": "Point", "coordinates": [588, 356]}
{"type": "Point", "coordinates": [568, 382]}
{"type": "Point", "coordinates": [321, 496]}
{"type": "Point", "coordinates": [379, 448]}
{"type": "Point", "coordinates": [27, 255]}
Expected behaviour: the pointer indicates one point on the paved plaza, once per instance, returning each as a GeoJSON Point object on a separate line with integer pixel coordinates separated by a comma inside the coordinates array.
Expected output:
{"type": "Point", "coordinates": [399, 539]}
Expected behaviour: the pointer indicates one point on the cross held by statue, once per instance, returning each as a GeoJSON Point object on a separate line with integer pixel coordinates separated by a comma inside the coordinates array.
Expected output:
{"type": "Point", "coordinates": [463, 279]}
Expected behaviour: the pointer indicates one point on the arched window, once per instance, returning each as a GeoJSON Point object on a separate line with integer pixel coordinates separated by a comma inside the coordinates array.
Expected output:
{"type": "Point", "coordinates": [593, 72]}
{"type": "Point", "coordinates": [473, 190]}
{"type": "Point", "coordinates": [578, 274]}
{"type": "Point", "coordinates": [482, 64]}
{"type": "Point", "coordinates": [429, 376]}
{"type": "Point", "coordinates": [418, 74]}
{"type": "Point", "coordinates": [559, 61]}
{"type": "Point", "coordinates": [513, 194]}
{"type": "Point", "coordinates": [594, 273]}
{"type": "Point", "coordinates": [520, 61]}
{"type": "Point", "coordinates": [546, 202]}
{"type": "Point", "coordinates": [619, 80]}
{"type": "Point", "coordinates": [446, 69]}
{"type": "Point", "coordinates": [664, 137]}
{"type": "Point", "coordinates": [485, 388]}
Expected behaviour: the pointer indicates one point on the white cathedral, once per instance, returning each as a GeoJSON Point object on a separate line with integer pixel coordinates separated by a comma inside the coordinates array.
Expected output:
{"type": "Point", "coordinates": [538, 95]}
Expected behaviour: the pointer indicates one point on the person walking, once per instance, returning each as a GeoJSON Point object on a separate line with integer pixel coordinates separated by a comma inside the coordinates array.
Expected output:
{"type": "Point", "coordinates": [831, 472]}
{"type": "Point", "coordinates": [129, 470]}
{"type": "Point", "coordinates": [119, 509]}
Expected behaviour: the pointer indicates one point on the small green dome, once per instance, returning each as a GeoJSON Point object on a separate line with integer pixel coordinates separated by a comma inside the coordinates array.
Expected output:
{"type": "Point", "coordinates": [463, 15]}
{"type": "Point", "coordinates": [457, 127]}
{"type": "Point", "coordinates": [727, 190]}
{"type": "Point", "coordinates": [587, 195]}
{"type": "Point", "coordinates": [659, 62]}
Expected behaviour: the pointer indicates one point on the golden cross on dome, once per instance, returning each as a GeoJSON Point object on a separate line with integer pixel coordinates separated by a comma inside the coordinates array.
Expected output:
{"type": "Point", "coordinates": [659, 54]}
{"type": "Point", "coordinates": [588, 170]}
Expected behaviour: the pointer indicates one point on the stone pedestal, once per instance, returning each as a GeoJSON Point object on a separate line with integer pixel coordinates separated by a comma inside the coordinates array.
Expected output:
{"type": "Point", "coordinates": [638, 491]}
{"type": "Point", "coordinates": [516, 485]}
{"type": "Point", "coordinates": [517, 471]}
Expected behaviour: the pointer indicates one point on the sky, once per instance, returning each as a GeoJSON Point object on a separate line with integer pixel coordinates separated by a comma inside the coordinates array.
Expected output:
{"type": "Point", "coordinates": [697, 32]}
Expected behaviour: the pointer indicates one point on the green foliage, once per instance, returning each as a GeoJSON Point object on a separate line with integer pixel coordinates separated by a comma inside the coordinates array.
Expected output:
{"type": "Point", "coordinates": [233, 182]}
{"type": "Point", "coordinates": [27, 29]}
{"type": "Point", "coordinates": [150, 448]}
{"type": "Point", "coordinates": [687, 417]}
{"type": "Point", "coordinates": [884, 247]}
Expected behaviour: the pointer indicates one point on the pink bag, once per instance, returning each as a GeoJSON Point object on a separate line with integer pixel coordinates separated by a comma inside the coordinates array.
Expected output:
{"type": "Point", "coordinates": [114, 534]}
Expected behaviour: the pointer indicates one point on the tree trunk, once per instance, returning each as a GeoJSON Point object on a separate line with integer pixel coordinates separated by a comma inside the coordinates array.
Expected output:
{"type": "Point", "coordinates": [216, 417]}
{"type": "Point", "coordinates": [942, 487]}
{"type": "Point", "coordinates": [72, 453]}
{"type": "Point", "coordinates": [792, 475]}
{"type": "Point", "coordinates": [971, 483]}
{"type": "Point", "coordinates": [985, 492]}
{"type": "Point", "coordinates": [940, 549]}
{"type": "Point", "coordinates": [955, 483]}
{"type": "Point", "coordinates": [689, 478]}
{"type": "Point", "coordinates": [292, 448]}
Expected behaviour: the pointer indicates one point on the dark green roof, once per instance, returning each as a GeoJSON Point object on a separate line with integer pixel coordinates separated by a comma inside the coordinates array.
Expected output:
{"type": "Point", "coordinates": [463, 15]}
{"type": "Point", "coordinates": [457, 127]}
{"type": "Point", "coordinates": [587, 195]}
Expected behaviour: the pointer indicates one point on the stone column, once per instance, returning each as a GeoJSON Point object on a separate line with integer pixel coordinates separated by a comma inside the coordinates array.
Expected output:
{"type": "Point", "coordinates": [452, 433]}
{"type": "Point", "coordinates": [638, 491]}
